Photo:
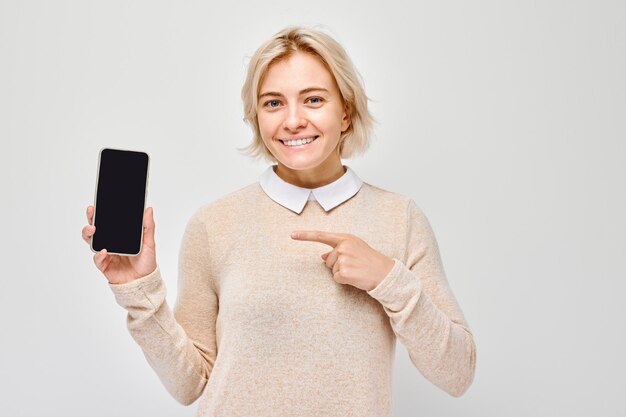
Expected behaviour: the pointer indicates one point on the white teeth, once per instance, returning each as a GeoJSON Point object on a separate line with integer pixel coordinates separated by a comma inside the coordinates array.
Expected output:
{"type": "Point", "coordinates": [299, 142]}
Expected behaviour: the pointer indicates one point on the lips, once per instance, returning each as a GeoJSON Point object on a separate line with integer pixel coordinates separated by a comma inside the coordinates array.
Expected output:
{"type": "Point", "coordinates": [299, 137]}
{"type": "Point", "coordinates": [303, 137]}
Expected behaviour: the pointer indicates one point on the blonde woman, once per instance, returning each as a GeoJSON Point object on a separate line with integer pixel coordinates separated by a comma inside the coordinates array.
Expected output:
{"type": "Point", "coordinates": [293, 290]}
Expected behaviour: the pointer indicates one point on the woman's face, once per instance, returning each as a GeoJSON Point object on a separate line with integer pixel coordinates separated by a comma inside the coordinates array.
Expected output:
{"type": "Point", "coordinates": [298, 99]}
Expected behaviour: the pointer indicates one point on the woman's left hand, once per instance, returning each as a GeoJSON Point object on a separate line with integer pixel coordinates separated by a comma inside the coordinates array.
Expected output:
{"type": "Point", "coordinates": [352, 261]}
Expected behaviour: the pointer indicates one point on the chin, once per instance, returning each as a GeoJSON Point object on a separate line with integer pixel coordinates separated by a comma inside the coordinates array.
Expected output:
{"type": "Point", "coordinates": [300, 166]}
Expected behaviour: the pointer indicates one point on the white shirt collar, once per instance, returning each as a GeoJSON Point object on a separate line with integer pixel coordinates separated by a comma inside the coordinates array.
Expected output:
{"type": "Point", "coordinates": [295, 198]}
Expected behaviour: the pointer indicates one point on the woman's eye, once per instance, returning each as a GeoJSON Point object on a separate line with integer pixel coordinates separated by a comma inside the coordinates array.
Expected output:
{"type": "Point", "coordinates": [275, 103]}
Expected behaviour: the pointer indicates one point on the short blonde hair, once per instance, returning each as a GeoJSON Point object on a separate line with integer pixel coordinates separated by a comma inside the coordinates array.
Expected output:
{"type": "Point", "coordinates": [354, 140]}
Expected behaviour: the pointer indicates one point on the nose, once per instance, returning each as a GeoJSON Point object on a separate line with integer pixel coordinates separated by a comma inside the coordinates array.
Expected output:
{"type": "Point", "coordinates": [294, 120]}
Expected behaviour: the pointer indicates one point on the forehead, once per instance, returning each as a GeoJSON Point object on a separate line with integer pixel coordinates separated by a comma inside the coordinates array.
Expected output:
{"type": "Point", "coordinates": [301, 70]}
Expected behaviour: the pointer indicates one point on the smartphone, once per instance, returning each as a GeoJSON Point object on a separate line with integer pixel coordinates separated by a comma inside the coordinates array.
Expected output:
{"type": "Point", "coordinates": [120, 200]}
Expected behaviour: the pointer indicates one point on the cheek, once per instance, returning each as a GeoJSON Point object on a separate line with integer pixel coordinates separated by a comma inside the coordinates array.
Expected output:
{"type": "Point", "coordinates": [266, 124]}
{"type": "Point", "coordinates": [326, 121]}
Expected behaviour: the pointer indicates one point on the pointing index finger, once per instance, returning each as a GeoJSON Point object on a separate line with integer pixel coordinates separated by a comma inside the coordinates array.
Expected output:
{"type": "Point", "coordinates": [328, 238]}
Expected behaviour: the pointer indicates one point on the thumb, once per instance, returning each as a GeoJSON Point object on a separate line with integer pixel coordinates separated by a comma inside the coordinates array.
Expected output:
{"type": "Point", "coordinates": [148, 227]}
{"type": "Point", "coordinates": [325, 255]}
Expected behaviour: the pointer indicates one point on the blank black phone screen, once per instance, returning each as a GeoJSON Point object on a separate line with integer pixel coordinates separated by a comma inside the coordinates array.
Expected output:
{"type": "Point", "coordinates": [120, 201]}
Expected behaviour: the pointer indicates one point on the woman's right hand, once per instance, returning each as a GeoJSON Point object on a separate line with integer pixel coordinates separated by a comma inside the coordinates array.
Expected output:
{"type": "Point", "coordinates": [123, 269]}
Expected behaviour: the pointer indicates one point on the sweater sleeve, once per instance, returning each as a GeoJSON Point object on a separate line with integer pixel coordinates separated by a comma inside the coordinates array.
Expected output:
{"type": "Point", "coordinates": [179, 344]}
{"type": "Point", "coordinates": [423, 312]}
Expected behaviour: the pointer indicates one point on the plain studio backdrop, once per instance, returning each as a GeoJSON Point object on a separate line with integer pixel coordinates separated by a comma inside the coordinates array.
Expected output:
{"type": "Point", "coordinates": [504, 121]}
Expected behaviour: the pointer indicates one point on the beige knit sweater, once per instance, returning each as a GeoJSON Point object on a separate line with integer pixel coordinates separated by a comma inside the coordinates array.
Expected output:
{"type": "Point", "coordinates": [260, 328]}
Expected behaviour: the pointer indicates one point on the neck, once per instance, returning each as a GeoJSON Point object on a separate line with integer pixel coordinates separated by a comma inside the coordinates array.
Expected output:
{"type": "Point", "coordinates": [316, 177]}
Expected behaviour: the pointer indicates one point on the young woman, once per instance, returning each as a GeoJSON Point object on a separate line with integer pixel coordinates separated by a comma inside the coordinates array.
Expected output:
{"type": "Point", "coordinates": [293, 290]}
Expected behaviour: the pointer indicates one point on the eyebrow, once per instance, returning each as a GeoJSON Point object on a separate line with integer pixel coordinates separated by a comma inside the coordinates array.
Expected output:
{"type": "Point", "coordinates": [306, 90]}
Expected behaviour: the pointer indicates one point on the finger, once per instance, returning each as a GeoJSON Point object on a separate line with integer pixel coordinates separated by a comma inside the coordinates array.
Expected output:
{"type": "Point", "coordinates": [148, 227]}
{"type": "Point", "coordinates": [90, 210]}
{"type": "Point", "coordinates": [99, 259]}
{"type": "Point", "coordinates": [106, 262]}
{"type": "Point", "coordinates": [88, 231]}
{"type": "Point", "coordinates": [328, 238]}
{"type": "Point", "coordinates": [331, 260]}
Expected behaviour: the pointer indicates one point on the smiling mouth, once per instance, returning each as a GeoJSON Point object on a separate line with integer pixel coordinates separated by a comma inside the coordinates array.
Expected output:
{"type": "Point", "coordinates": [298, 143]}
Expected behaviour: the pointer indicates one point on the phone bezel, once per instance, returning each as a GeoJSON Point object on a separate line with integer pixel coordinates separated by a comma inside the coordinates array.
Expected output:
{"type": "Point", "coordinates": [145, 200]}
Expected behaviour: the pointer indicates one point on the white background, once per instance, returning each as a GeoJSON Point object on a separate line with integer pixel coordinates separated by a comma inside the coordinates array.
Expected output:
{"type": "Point", "coordinates": [505, 122]}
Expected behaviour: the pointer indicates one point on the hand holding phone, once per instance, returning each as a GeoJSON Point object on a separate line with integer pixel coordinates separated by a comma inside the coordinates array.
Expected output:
{"type": "Point", "coordinates": [121, 230]}
{"type": "Point", "coordinates": [122, 269]}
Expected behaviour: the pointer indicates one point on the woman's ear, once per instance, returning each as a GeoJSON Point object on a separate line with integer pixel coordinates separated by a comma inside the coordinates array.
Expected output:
{"type": "Point", "coordinates": [347, 117]}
